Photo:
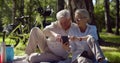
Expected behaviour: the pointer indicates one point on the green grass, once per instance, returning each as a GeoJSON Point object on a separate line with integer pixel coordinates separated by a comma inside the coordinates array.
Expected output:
{"type": "Point", "coordinates": [20, 50]}
{"type": "Point", "coordinates": [110, 37]}
{"type": "Point", "coordinates": [112, 54]}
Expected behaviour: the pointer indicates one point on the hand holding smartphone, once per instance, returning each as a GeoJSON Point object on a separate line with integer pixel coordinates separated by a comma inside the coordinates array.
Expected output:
{"type": "Point", "coordinates": [65, 45]}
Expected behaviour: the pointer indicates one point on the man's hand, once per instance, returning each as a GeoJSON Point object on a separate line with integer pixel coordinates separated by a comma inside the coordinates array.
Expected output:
{"type": "Point", "coordinates": [58, 38]}
{"type": "Point", "coordinates": [66, 46]}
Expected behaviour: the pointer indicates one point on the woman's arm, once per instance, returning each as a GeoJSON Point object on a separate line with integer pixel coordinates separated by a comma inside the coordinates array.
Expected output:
{"type": "Point", "coordinates": [93, 32]}
{"type": "Point", "coordinates": [73, 38]}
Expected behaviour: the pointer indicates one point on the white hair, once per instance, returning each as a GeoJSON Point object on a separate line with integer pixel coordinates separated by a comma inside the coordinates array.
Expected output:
{"type": "Point", "coordinates": [83, 12]}
{"type": "Point", "coordinates": [63, 13]}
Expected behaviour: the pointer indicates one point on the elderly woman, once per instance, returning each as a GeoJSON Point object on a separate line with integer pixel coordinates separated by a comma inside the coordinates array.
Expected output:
{"type": "Point", "coordinates": [84, 45]}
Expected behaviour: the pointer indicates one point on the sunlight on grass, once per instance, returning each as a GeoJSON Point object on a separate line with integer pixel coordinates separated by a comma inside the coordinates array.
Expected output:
{"type": "Point", "coordinates": [8, 41]}
{"type": "Point", "coordinates": [18, 52]}
{"type": "Point", "coordinates": [20, 49]}
{"type": "Point", "coordinates": [110, 37]}
{"type": "Point", "coordinates": [112, 56]}
{"type": "Point", "coordinates": [110, 48]}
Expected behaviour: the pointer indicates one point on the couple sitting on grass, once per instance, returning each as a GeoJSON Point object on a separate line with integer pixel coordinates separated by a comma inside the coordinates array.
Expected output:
{"type": "Point", "coordinates": [82, 42]}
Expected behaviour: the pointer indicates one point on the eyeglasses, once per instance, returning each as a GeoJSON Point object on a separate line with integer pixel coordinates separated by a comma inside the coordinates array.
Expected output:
{"type": "Point", "coordinates": [80, 19]}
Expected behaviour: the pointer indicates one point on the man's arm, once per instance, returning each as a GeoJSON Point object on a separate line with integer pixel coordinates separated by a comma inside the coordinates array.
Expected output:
{"type": "Point", "coordinates": [49, 33]}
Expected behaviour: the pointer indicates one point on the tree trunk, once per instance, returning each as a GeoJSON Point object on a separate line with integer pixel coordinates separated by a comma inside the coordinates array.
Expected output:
{"type": "Point", "coordinates": [14, 11]}
{"type": "Point", "coordinates": [60, 5]}
{"type": "Point", "coordinates": [78, 4]}
{"type": "Point", "coordinates": [117, 17]}
{"type": "Point", "coordinates": [22, 8]}
{"type": "Point", "coordinates": [90, 8]}
{"type": "Point", "coordinates": [107, 17]}
{"type": "Point", "coordinates": [82, 4]}
{"type": "Point", "coordinates": [71, 10]}
{"type": "Point", "coordinates": [73, 5]}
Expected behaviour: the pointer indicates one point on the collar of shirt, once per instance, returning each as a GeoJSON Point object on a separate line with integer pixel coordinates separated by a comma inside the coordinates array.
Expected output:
{"type": "Point", "coordinates": [66, 31]}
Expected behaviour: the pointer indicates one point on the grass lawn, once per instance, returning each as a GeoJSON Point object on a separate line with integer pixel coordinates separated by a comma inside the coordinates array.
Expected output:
{"type": "Point", "coordinates": [112, 53]}
{"type": "Point", "coordinates": [108, 37]}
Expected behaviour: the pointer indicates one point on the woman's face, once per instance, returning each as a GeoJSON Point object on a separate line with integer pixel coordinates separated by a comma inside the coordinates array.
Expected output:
{"type": "Point", "coordinates": [80, 20]}
{"type": "Point", "coordinates": [65, 23]}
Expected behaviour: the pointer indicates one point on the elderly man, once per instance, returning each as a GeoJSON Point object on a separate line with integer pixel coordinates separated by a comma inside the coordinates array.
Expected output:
{"type": "Point", "coordinates": [51, 48]}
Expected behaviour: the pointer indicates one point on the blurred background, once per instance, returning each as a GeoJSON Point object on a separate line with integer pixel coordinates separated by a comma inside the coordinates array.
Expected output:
{"type": "Point", "coordinates": [17, 17]}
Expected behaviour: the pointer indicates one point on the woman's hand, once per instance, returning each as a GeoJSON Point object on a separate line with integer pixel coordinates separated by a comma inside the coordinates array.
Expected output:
{"type": "Point", "coordinates": [73, 38]}
{"type": "Point", "coordinates": [84, 38]}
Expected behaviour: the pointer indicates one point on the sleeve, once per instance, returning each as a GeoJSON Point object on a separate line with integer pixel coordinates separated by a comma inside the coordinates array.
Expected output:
{"type": "Point", "coordinates": [48, 31]}
{"type": "Point", "coordinates": [93, 32]}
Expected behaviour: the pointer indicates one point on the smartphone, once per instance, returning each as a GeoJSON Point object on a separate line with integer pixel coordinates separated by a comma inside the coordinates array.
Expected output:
{"type": "Point", "coordinates": [65, 39]}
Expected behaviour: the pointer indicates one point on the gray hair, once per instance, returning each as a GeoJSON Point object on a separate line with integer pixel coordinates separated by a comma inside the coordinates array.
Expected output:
{"type": "Point", "coordinates": [63, 13]}
{"type": "Point", "coordinates": [82, 12]}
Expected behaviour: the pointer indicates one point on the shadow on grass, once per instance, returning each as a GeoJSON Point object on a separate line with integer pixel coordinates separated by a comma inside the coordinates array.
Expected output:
{"type": "Point", "coordinates": [110, 44]}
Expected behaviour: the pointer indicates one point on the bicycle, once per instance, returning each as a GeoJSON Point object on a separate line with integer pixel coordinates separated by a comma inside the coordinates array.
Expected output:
{"type": "Point", "coordinates": [19, 31]}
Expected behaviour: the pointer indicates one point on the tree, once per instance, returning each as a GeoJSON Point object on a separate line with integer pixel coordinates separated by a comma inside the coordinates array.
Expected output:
{"type": "Point", "coordinates": [14, 11]}
{"type": "Point", "coordinates": [107, 17]}
{"type": "Point", "coordinates": [17, 9]}
{"type": "Point", "coordinates": [60, 5]}
{"type": "Point", "coordinates": [22, 8]}
{"type": "Point", "coordinates": [86, 4]}
{"type": "Point", "coordinates": [72, 5]}
{"type": "Point", "coordinates": [78, 4]}
{"type": "Point", "coordinates": [6, 11]}
{"type": "Point", "coordinates": [117, 17]}
{"type": "Point", "coordinates": [90, 8]}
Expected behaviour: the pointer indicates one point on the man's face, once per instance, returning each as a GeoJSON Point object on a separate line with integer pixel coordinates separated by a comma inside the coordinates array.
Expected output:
{"type": "Point", "coordinates": [65, 23]}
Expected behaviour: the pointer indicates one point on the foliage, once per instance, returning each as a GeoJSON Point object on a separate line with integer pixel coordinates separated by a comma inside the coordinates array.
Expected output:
{"type": "Point", "coordinates": [53, 6]}
{"type": "Point", "coordinates": [30, 7]}
{"type": "Point", "coordinates": [5, 11]}
{"type": "Point", "coordinates": [99, 14]}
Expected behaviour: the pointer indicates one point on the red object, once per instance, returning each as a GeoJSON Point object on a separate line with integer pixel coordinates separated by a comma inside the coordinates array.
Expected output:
{"type": "Point", "coordinates": [0, 58]}
{"type": "Point", "coordinates": [80, 39]}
